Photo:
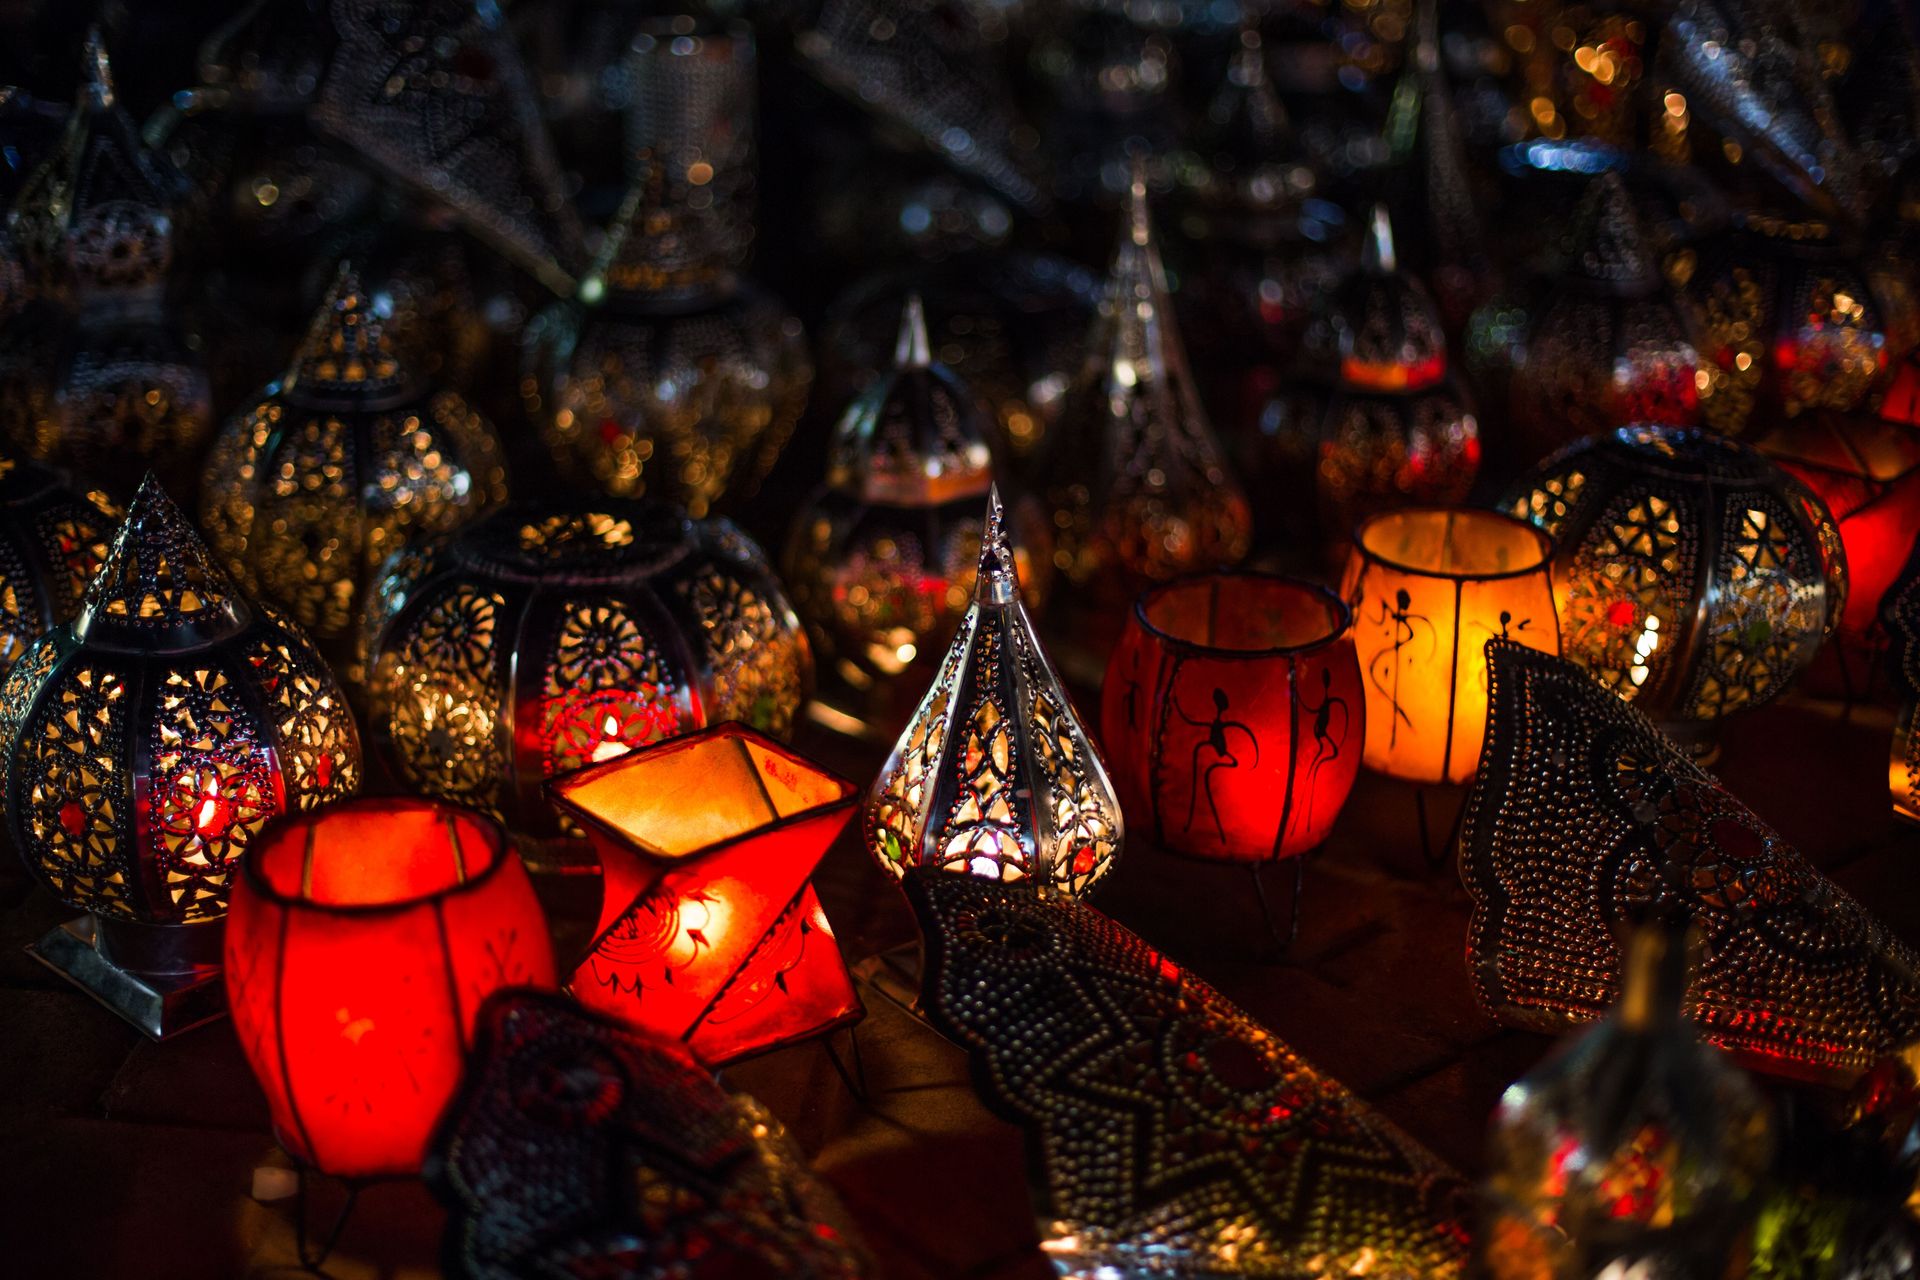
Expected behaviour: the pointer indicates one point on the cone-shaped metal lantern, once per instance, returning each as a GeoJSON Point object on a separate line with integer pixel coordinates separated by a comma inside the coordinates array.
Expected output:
{"type": "Point", "coordinates": [995, 776]}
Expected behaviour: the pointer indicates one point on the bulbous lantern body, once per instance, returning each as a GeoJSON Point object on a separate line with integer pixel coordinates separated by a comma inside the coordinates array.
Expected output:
{"type": "Point", "coordinates": [143, 746]}
{"type": "Point", "coordinates": [881, 560]}
{"type": "Point", "coordinates": [540, 639]}
{"type": "Point", "coordinates": [52, 541]}
{"type": "Point", "coordinates": [1691, 575]}
{"type": "Point", "coordinates": [341, 464]}
{"type": "Point", "coordinates": [1135, 482]}
{"type": "Point", "coordinates": [94, 375]}
{"type": "Point", "coordinates": [994, 775]}
{"type": "Point", "coordinates": [666, 374]}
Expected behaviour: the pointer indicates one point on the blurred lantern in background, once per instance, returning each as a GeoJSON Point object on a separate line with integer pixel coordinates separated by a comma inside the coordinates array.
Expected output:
{"type": "Point", "coordinates": [1867, 472]}
{"type": "Point", "coordinates": [666, 374]}
{"type": "Point", "coordinates": [347, 459]}
{"type": "Point", "coordinates": [1428, 588]}
{"type": "Point", "coordinates": [1398, 428]}
{"type": "Point", "coordinates": [1608, 346]}
{"type": "Point", "coordinates": [881, 559]}
{"type": "Point", "coordinates": [1635, 1150]}
{"type": "Point", "coordinates": [1132, 476]}
{"type": "Point", "coordinates": [1693, 576]}
{"type": "Point", "coordinates": [994, 775]}
{"type": "Point", "coordinates": [52, 541]}
{"type": "Point", "coordinates": [542, 638]}
{"type": "Point", "coordinates": [1900, 615]}
{"type": "Point", "coordinates": [142, 748]}
{"type": "Point", "coordinates": [709, 928]}
{"type": "Point", "coordinates": [362, 943]}
{"type": "Point", "coordinates": [94, 373]}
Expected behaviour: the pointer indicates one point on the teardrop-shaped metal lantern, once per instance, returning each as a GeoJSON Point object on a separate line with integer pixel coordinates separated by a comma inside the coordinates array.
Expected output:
{"type": "Point", "coordinates": [995, 776]}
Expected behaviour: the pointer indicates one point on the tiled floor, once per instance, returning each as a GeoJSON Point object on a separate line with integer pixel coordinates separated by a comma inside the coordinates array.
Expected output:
{"type": "Point", "coordinates": [121, 1157]}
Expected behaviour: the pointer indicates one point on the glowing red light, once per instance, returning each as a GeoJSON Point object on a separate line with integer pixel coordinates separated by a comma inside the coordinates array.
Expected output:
{"type": "Point", "coordinates": [73, 819]}
{"type": "Point", "coordinates": [1622, 614]}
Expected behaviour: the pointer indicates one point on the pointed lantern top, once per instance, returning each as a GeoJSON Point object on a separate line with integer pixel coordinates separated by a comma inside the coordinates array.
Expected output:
{"type": "Point", "coordinates": [348, 353]}
{"type": "Point", "coordinates": [1606, 245]}
{"type": "Point", "coordinates": [158, 589]}
{"type": "Point", "coordinates": [1390, 336]}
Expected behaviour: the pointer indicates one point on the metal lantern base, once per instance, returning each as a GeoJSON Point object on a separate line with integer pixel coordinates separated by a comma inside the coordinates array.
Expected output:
{"type": "Point", "coordinates": [164, 979]}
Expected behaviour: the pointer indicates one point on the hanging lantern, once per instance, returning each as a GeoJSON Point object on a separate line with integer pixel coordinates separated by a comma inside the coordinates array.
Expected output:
{"type": "Point", "coordinates": [1900, 615]}
{"type": "Point", "coordinates": [52, 541]}
{"type": "Point", "coordinates": [1694, 577]}
{"type": "Point", "coordinates": [1233, 715]}
{"type": "Point", "coordinates": [666, 374]}
{"type": "Point", "coordinates": [361, 945]}
{"type": "Point", "coordinates": [881, 559]}
{"type": "Point", "coordinates": [1584, 815]}
{"type": "Point", "coordinates": [540, 639]}
{"type": "Point", "coordinates": [1428, 588]}
{"type": "Point", "coordinates": [1134, 479]}
{"type": "Point", "coordinates": [1867, 472]}
{"type": "Point", "coordinates": [1634, 1150]}
{"type": "Point", "coordinates": [1789, 319]}
{"type": "Point", "coordinates": [1200, 1143]}
{"type": "Point", "coordinates": [994, 775]}
{"type": "Point", "coordinates": [342, 463]}
{"type": "Point", "coordinates": [709, 929]}
{"type": "Point", "coordinates": [1608, 346]}
{"type": "Point", "coordinates": [94, 373]}
{"type": "Point", "coordinates": [142, 748]}
{"type": "Point", "coordinates": [1398, 427]}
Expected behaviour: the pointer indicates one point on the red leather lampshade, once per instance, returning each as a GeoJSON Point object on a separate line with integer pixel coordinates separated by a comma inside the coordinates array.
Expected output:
{"type": "Point", "coordinates": [360, 943]}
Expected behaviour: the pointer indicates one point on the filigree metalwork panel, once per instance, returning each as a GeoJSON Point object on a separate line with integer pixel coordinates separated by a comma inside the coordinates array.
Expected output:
{"type": "Point", "coordinates": [1584, 816]}
{"type": "Point", "coordinates": [1169, 1134]}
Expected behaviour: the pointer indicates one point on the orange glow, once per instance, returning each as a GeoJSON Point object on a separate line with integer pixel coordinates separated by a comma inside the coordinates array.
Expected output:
{"type": "Point", "coordinates": [709, 928]}
{"type": "Point", "coordinates": [360, 944]}
{"type": "Point", "coordinates": [1429, 587]}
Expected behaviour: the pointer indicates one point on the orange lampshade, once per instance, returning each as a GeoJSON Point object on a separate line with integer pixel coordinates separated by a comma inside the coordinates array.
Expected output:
{"type": "Point", "coordinates": [709, 928]}
{"type": "Point", "coordinates": [1428, 588]}
{"type": "Point", "coordinates": [360, 943]}
{"type": "Point", "coordinates": [1232, 717]}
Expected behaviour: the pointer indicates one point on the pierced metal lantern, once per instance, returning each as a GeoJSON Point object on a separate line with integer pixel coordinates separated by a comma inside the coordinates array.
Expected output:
{"type": "Point", "coordinates": [994, 775]}
{"type": "Point", "coordinates": [1900, 614]}
{"type": "Point", "coordinates": [340, 464]}
{"type": "Point", "coordinates": [542, 638]}
{"type": "Point", "coordinates": [1398, 427]}
{"type": "Point", "coordinates": [142, 748]}
{"type": "Point", "coordinates": [1585, 816]}
{"type": "Point", "coordinates": [1136, 484]}
{"type": "Point", "coordinates": [1693, 576]}
{"type": "Point", "coordinates": [1608, 346]}
{"type": "Point", "coordinates": [52, 541]}
{"type": "Point", "coordinates": [1167, 1132]}
{"type": "Point", "coordinates": [579, 1146]}
{"type": "Point", "coordinates": [881, 559]}
{"type": "Point", "coordinates": [666, 374]}
{"type": "Point", "coordinates": [94, 373]}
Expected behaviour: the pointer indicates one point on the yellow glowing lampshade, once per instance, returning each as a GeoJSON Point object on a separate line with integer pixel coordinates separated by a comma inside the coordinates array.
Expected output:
{"type": "Point", "coordinates": [1429, 587]}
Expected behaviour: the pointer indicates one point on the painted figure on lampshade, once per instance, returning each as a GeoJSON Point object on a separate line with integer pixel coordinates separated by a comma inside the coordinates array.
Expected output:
{"type": "Point", "coordinates": [995, 776]}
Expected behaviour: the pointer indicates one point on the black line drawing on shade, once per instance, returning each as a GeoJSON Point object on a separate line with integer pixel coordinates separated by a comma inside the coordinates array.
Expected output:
{"type": "Point", "coordinates": [1326, 744]}
{"type": "Point", "coordinates": [1405, 628]}
{"type": "Point", "coordinates": [1216, 741]}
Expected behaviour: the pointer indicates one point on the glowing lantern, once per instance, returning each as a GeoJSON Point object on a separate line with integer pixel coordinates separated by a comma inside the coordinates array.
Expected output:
{"type": "Point", "coordinates": [1867, 471]}
{"type": "Point", "coordinates": [143, 746]}
{"type": "Point", "coordinates": [52, 541]}
{"type": "Point", "coordinates": [1692, 575]}
{"type": "Point", "coordinates": [994, 775]}
{"type": "Point", "coordinates": [1428, 588]}
{"type": "Point", "coordinates": [1233, 715]}
{"type": "Point", "coordinates": [1900, 614]}
{"type": "Point", "coordinates": [539, 639]}
{"type": "Point", "coordinates": [709, 927]}
{"type": "Point", "coordinates": [361, 944]}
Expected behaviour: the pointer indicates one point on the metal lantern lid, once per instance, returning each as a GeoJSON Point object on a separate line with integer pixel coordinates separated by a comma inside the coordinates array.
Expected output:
{"type": "Point", "coordinates": [1606, 243]}
{"type": "Point", "coordinates": [914, 437]}
{"type": "Point", "coordinates": [99, 212]}
{"type": "Point", "coordinates": [995, 775]}
{"type": "Point", "coordinates": [159, 590]}
{"type": "Point", "coordinates": [348, 356]}
{"type": "Point", "coordinates": [1388, 329]}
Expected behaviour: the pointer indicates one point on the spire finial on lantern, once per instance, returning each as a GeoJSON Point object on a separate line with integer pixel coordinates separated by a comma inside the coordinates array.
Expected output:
{"type": "Point", "coordinates": [912, 350]}
{"type": "Point", "coordinates": [996, 582]}
{"type": "Point", "coordinates": [96, 73]}
{"type": "Point", "coordinates": [1378, 256]}
{"type": "Point", "coordinates": [1139, 215]}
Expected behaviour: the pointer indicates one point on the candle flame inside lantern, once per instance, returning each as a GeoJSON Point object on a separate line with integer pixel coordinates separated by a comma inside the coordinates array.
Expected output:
{"type": "Point", "coordinates": [611, 744]}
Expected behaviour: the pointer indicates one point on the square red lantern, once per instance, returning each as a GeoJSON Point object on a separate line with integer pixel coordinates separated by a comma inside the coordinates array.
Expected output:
{"type": "Point", "coordinates": [709, 928]}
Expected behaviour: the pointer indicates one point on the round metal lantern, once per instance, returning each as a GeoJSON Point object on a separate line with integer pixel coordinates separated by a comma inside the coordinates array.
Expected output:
{"type": "Point", "coordinates": [142, 748]}
{"type": "Point", "coordinates": [309, 490]}
{"type": "Point", "coordinates": [1691, 574]}
{"type": "Point", "coordinates": [52, 541]}
{"type": "Point", "coordinates": [543, 638]}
